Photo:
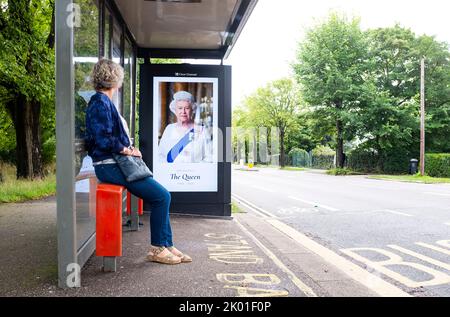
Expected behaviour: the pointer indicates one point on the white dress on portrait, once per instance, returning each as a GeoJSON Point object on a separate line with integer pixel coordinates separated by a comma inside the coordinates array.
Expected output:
{"type": "Point", "coordinates": [181, 145]}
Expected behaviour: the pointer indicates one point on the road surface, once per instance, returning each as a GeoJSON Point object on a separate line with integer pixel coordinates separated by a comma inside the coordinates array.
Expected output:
{"type": "Point", "coordinates": [397, 231]}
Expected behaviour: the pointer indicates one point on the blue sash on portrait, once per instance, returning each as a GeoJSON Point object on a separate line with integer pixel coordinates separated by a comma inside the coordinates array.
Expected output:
{"type": "Point", "coordinates": [179, 147]}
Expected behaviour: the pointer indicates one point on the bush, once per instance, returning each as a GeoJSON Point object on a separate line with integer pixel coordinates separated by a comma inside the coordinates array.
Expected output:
{"type": "Point", "coordinates": [323, 150]}
{"type": "Point", "coordinates": [49, 150]}
{"type": "Point", "coordinates": [437, 165]}
{"type": "Point", "coordinates": [300, 158]}
{"type": "Point", "coordinates": [7, 137]}
{"type": "Point", "coordinates": [363, 161]}
{"type": "Point", "coordinates": [322, 158]}
{"type": "Point", "coordinates": [323, 161]}
{"type": "Point", "coordinates": [395, 161]}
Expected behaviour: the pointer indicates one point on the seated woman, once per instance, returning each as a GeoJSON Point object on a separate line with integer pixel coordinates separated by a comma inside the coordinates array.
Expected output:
{"type": "Point", "coordinates": [184, 141]}
{"type": "Point", "coordinates": [107, 133]}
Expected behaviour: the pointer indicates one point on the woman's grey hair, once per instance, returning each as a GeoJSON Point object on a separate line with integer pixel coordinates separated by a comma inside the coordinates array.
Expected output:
{"type": "Point", "coordinates": [106, 75]}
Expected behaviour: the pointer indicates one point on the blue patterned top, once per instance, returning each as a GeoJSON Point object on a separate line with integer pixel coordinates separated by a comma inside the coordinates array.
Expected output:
{"type": "Point", "coordinates": [105, 133]}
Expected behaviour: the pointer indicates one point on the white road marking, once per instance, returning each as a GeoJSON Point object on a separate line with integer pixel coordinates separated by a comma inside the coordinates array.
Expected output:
{"type": "Point", "coordinates": [373, 282]}
{"type": "Point", "coordinates": [313, 203]}
{"type": "Point", "coordinates": [396, 212]}
{"type": "Point", "coordinates": [260, 211]}
{"type": "Point", "coordinates": [444, 243]}
{"type": "Point", "coordinates": [432, 247]}
{"type": "Point", "coordinates": [392, 259]}
{"type": "Point", "coordinates": [263, 189]}
{"type": "Point", "coordinates": [421, 257]}
{"type": "Point", "coordinates": [302, 286]}
{"type": "Point", "coordinates": [438, 194]}
{"type": "Point", "coordinates": [295, 210]}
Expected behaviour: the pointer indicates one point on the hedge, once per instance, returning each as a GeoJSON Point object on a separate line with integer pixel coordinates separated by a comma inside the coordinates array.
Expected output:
{"type": "Point", "coordinates": [323, 161]}
{"type": "Point", "coordinates": [395, 161]}
{"type": "Point", "coordinates": [300, 158]}
{"type": "Point", "coordinates": [438, 165]}
{"type": "Point", "coordinates": [323, 158]}
{"type": "Point", "coordinates": [363, 161]}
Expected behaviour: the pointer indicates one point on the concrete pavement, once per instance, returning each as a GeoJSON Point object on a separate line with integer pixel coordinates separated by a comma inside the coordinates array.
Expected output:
{"type": "Point", "coordinates": [240, 257]}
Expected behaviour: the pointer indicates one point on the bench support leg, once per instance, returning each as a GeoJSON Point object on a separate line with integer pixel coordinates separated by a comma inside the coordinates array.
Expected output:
{"type": "Point", "coordinates": [134, 214]}
{"type": "Point", "coordinates": [109, 264]}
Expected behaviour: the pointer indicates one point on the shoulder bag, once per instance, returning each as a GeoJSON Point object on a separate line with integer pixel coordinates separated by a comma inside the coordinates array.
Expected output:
{"type": "Point", "coordinates": [132, 167]}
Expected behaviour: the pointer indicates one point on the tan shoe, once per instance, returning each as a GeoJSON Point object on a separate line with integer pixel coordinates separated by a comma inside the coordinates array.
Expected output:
{"type": "Point", "coordinates": [163, 255]}
{"type": "Point", "coordinates": [184, 257]}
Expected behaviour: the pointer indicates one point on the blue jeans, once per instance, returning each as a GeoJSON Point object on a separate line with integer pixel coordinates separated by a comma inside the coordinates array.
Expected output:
{"type": "Point", "coordinates": [151, 192]}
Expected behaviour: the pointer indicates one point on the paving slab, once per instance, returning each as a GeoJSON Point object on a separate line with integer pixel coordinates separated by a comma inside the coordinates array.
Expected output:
{"type": "Point", "coordinates": [241, 256]}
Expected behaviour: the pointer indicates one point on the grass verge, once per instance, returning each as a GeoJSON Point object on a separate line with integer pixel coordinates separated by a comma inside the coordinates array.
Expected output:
{"type": "Point", "coordinates": [13, 190]}
{"type": "Point", "coordinates": [235, 209]}
{"type": "Point", "coordinates": [286, 168]}
{"type": "Point", "coordinates": [291, 168]}
{"type": "Point", "coordinates": [412, 179]}
{"type": "Point", "coordinates": [342, 172]}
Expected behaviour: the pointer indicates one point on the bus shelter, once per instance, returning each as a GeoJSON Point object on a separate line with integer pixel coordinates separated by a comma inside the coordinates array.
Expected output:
{"type": "Point", "coordinates": [133, 33]}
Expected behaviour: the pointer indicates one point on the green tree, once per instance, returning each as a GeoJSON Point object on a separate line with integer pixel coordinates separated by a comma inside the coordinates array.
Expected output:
{"type": "Point", "coordinates": [387, 130]}
{"type": "Point", "coordinates": [437, 81]}
{"type": "Point", "coordinates": [240, 122]}
{"type": "Point", "coordinates": [27, 75]}
{"type": "Point", "coordinates": [387, 109]}
{"type": "Point", "coordinates": [302, 135]}
{"type": "Point", "coordinates": [388, 112]}
{"type": "Point", "coordinates": [395, 63]}
{"type": "Point", "coordinates": [330, 67]}
{"type": "Point", "coordinates": [7, 136]}
{"type": "Point", "coordinates": [275, 106]}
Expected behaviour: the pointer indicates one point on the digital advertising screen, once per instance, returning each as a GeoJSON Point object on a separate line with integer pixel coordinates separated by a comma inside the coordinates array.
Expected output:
{"type": "Point", "coordinates": [185, 133]}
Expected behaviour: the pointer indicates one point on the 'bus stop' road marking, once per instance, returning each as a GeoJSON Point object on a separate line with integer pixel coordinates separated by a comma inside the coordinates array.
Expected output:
{"type": "Point", "coordinates": [421, 257]}
{"type": "Point", "coordinates": [300, 285]}
{"type": "Point", "coordinates": [394, 260]}
{"type": "Point", "coordinates": [262, 281]}
{"type": "Point", "coordinates": [383, 266]}
{"type": "Point", "coordinates": [314, 204]}
{"type": "Point", "coordinates": [435, 248]}
{"type": "Point", "coordinates": [369, 280]}
{"type": "Point", "coordinates": [232, 249]}
{"type": "Point", "coordinates": [444, 243]}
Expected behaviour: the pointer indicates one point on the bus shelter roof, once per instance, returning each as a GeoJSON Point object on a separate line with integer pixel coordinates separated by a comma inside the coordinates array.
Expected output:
{"type": "Point", "coordinates": [185, 28]}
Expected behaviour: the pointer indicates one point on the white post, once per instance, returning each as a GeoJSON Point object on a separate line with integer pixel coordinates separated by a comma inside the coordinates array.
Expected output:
{"type": "Point", "coordinates": [422, 117]}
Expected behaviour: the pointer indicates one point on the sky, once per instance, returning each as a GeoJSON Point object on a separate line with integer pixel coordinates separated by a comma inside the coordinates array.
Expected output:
{"type": "Point", "coordinates": [268, 43]}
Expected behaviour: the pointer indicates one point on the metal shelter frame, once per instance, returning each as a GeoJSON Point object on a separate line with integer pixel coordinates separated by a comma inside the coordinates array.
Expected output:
{"type": "Point", "coordinates": [110, 20]}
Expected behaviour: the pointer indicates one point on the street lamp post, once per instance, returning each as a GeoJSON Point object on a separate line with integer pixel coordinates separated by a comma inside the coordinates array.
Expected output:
{"type": "Point", "coordinates": [422, 117]}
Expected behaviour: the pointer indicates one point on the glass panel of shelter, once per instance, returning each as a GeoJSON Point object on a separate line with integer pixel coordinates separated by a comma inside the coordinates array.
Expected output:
{"type": "Point", "coordinates": [86, 53]}
{"type": "Point", "coordinates": [107, 37]}
{"type": "Point", "coordinates": [128, 84]}
{"type": "Point", "coordinates": [117, 56]}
